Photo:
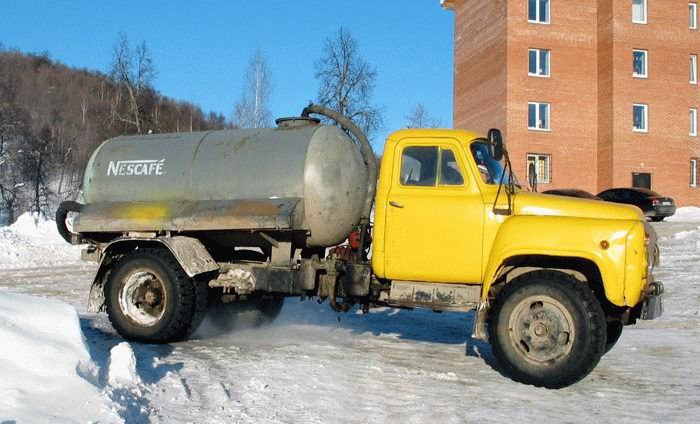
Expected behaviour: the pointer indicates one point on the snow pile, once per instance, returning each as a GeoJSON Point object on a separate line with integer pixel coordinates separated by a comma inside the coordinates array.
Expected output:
{"type": "Point", "coordinates": [32, 242]}
{"type": "Point", "coordinates": [122, 366]}
{"type": "Point", "coordinates": [685, 214]}
{"type": "Point", "coordinates": [46, 374]}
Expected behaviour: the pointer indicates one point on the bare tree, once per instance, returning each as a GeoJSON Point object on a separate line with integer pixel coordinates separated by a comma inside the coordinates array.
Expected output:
{"type": "Point", "coordinates": [347, 82]}
{"type": "Point", "coordinates": [135, 72]}
{"type": "Point", "coordinates": [38, 166]}
{"type": "Point", "coordinates": [420, 118]}
{"type": "Point", "coordinates": [252, 108]}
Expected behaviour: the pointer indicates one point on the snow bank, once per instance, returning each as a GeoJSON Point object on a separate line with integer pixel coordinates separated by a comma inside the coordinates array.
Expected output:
{"type": "Point", "coordinates": [34, 242]}
{"type": "Point", "coordinates": [685, 214]}
{"type": "Point", "coordinates": [46, 374]}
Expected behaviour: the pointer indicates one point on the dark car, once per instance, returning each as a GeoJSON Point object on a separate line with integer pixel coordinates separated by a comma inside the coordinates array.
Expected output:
{"type": "Point", "coordinates": [654, 205]}
{"type": "Point", "coordinates": [572, 192]}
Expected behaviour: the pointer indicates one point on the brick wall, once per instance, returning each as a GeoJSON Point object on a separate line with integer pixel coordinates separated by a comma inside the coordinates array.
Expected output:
{"type": "Point", "coordinates": [591, 89]}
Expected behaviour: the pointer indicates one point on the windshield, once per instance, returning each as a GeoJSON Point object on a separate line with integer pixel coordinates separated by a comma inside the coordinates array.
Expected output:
{"type": "Point", "coordinates": [490, 169]}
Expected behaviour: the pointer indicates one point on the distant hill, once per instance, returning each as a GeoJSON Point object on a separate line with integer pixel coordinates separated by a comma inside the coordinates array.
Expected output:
{"type": "Point", "coordinates": [52, 117]}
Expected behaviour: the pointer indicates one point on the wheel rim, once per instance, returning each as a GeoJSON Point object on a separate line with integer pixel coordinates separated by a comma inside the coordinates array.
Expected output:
{"type": "Point", "coordinates": [541, 330]}
{"type": "Point", "coordinates": [142, 298]}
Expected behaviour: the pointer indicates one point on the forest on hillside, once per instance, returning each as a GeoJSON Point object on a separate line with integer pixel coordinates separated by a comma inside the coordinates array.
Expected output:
{"type": "Point", "coordinates": [52, 117]}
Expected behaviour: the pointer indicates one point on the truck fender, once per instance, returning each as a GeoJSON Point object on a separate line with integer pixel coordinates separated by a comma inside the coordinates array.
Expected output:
{"type": "Point", "coordinates": [189, 252]}
{"type": "Point", "coordinates": [601, 242]}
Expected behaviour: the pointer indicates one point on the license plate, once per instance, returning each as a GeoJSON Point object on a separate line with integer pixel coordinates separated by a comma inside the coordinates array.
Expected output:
{"type": "Point", "coordinates": [666, 203]}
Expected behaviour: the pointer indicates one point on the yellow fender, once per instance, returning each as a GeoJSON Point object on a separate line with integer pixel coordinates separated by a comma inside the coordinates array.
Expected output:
{"type": "Point", "coordinates": [602, 241]}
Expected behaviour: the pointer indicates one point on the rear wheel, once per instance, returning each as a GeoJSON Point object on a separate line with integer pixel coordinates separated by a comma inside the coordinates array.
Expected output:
{"type": "Point", "coordinates": [547, 329]}
{"type": "Point", "coordinates": [150, 299]}
{"type": "Point", "coordinates": [657, 218]}
{"type": "Point", "coordinates": [251, 313]}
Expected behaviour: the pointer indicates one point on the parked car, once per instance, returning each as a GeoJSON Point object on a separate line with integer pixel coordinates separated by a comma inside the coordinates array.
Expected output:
{"type": "Point", "coordinates": [572, 192]}
{"type": "Point", "coordinates": [654, 205]}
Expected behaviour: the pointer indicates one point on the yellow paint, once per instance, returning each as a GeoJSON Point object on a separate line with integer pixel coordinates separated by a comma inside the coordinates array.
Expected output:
{"type": "Point", "coordinates": [450, 234]}
{"type": "Point", "coordinates": [140, 212]}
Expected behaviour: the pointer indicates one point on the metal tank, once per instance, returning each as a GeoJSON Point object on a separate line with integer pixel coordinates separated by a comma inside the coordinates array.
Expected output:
{"type": "Point", "coordinates": [299, 176]}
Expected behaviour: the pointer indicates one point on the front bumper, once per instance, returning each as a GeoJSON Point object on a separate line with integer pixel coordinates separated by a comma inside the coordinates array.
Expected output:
{"type": "Point", "coordinates": [652, 306]}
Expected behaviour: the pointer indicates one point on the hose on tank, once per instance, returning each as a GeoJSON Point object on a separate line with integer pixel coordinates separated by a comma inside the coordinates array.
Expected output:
{"type": "Point", "coordinates": [61, 215]}
{"type": "Point", "coordinates": [368, 158]}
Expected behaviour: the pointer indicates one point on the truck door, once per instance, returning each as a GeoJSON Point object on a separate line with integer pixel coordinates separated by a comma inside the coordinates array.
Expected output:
{"type": "Point", "coordinates": [434, 218]}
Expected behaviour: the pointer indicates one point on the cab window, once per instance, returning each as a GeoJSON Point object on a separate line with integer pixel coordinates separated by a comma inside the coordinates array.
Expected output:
{"type": "Point", "coordinates": [450, 174]}
{"type": "Point", "coordinates": [421, 166]}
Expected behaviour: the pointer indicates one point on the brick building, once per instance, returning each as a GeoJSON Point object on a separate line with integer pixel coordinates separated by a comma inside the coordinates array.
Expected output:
{"type": "Point", "coordinates": [596, 93]}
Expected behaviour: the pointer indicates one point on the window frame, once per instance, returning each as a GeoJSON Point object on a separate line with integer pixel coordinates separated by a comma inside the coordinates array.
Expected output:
{"type": "Point", "coordinates": [694, 172]}
{"type": "Point", "coordinates": [645, 11]}
{"type": "Point", "coordinates": [537, 116]}
{"type": "Point", "coordinates": [692, 15]}
{"type": "Point", "coordinates": [537, 13]}
{"type": "Point", "coordinates": [693, 69]}
{"type": "Point", "coordinates": [538, 62]}
{"type": "Point", "coordinates": [645, 75]}
{"type": "Point", "coordinates": [693, 118]}
{"type": "Point", "coordinates": [645, 108]}
{"type": "Point", "coordinates": [548, 165]}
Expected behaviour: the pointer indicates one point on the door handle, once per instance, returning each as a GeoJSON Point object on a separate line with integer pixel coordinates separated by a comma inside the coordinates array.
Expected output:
{"type": "Point", "coordinates": [396, 204]}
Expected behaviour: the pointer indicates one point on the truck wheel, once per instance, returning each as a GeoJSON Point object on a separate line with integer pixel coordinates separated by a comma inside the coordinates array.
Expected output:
{"type": "Point", "coordinates": [547, 329]}
{"type": "Point", "coordinates": [613, 334]}
{"type": "Point", "coordinates": [253, 313]}
{"type": "Point", "coordinates": [150, 299]}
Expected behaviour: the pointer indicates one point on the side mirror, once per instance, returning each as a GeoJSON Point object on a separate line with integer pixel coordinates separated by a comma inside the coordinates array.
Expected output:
{"type": "Point", "coordinates": [496, 143]}
{"type": "Point", "coordinates": [532, 176]}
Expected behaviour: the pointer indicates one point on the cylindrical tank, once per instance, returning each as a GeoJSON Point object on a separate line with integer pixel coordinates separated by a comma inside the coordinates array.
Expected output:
{"type": "Point", "coordinates": [318, 164]}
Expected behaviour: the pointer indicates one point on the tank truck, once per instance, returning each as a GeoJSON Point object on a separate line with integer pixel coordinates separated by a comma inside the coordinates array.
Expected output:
{"type": "Point", "coordinates": [182, 222]}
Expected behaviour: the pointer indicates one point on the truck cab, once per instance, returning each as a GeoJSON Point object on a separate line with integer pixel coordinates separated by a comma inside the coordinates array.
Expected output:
{"type": "Point", "coordinates": [445, 223]}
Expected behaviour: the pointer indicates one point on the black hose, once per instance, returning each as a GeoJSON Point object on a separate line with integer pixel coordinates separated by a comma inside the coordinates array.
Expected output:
{"type": "Point", "coordinates": [61, 215]}
{"type": "Point", "coordinates": [365, 150]}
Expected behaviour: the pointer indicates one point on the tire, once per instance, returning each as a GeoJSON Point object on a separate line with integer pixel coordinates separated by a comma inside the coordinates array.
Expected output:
{"type": "Point", "coordinates": [614, 331]}
{"type": "Point", "coordinates": [175, 304]}
{"type": "Point", "coordinates": [547, 329]}
{"type": "Point", "coordinates": [657, 218]}
{"type": "Point", "coordinates": [252, 313]}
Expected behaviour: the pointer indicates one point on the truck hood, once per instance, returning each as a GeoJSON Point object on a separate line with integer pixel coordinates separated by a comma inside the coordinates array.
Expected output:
{"type": "Point", "coordinates": [537, 204]}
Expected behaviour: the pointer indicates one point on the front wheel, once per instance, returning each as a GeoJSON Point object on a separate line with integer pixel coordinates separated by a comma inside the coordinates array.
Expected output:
{"type": "Point", "coordinates": [547, 329]}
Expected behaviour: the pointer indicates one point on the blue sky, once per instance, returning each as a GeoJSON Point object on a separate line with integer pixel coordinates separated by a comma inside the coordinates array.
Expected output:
{"type": "Point", "coordinates": [201, 48]}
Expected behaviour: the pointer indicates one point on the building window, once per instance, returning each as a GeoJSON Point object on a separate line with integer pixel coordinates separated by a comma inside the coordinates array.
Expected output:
{"type": "Point", "coordinates": [693, 15]}
{"type": "Point", "coordinates": [693, 122]}
{"type": "Point", "coordinates": [542, 167]}
{"type": "Point", "coordinates": [694, 172]}
{"type": "Point", "coordinates": [640, 118]}
{"type": "Point", "coordinates": [693, 69]}
{"type": "Point", "coordinates": [538, 62]}
{"type": "Point", "coordinates": [538, 11]}
{"type": "Point", "coordinates": [639, 11]}
{"type": "Point", "coordinates": [639, 63]}
{"type": "Point", "coordinates": [538, 116]}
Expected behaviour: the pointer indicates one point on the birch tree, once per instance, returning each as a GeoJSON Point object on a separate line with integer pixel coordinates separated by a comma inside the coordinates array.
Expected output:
{"type": "Point", "coordinates": [252, 108]}
{"type": "Point", "coordinates": [134, 72]}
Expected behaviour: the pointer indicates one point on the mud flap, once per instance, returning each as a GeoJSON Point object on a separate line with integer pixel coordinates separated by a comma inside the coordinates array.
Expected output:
{"type": "Point", "coordinates": [480, 332]}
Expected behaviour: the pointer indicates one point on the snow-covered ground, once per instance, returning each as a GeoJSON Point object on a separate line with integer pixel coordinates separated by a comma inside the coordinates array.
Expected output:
{"type": "Point", "coordinates": [315, 366]}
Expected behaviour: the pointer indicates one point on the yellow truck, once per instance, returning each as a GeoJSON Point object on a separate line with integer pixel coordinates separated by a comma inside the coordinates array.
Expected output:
{"type": "Point", "coordinates": [182, 223]}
